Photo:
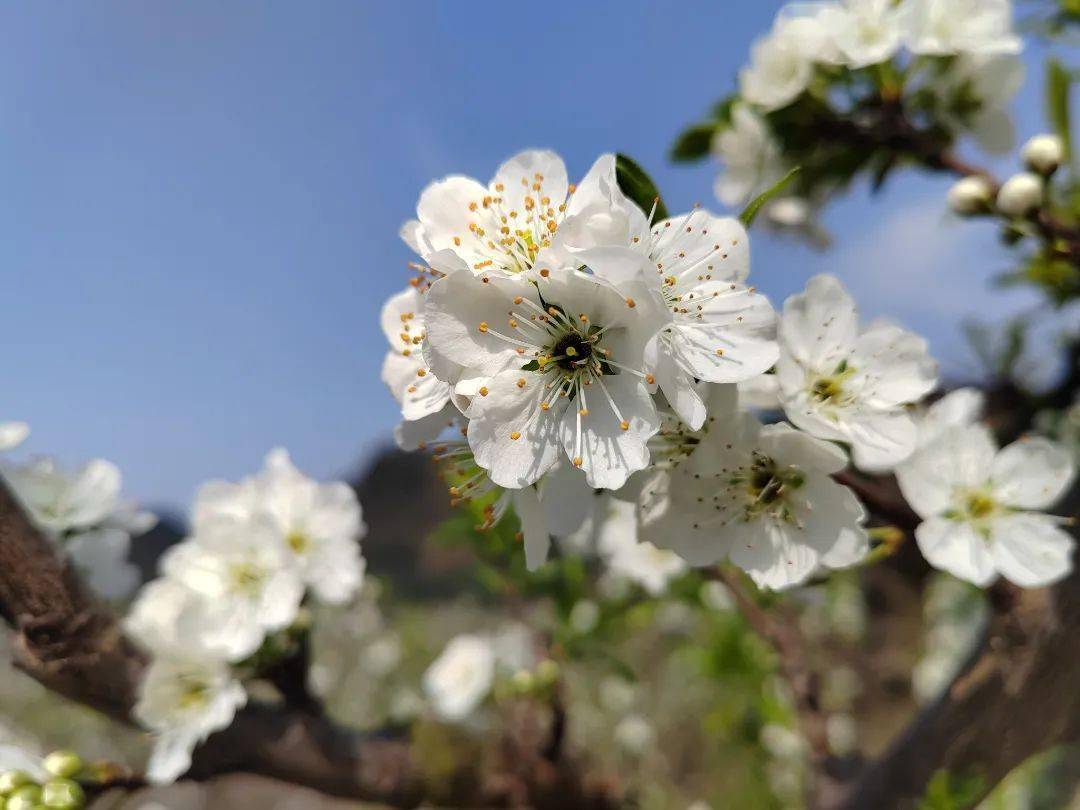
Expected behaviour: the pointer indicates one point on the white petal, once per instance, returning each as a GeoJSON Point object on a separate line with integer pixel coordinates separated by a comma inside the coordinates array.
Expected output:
{"type": "Point", "coordinates": [819, 326]}
{"type": "Point", "coordinates": [13, 434]}
{"type": "Point", "coordinates": [955, 547]}
{"type": "Point", "coordinates": [609, 454]}
{"type": "Point", "coordinates": [881, 441]}
{"type": "Point", "coordinates": [444, 210]}
{"type": "Point", "coordinates": [1031, 550]}
{"type": "Point", "coordinates": [533, 527]}
{"type": "Point", "coordinates": [518, 178]}
{"type": "Point", "coordinates": [892, 366]}
{"type": "Point", "coordinates": [1032, 473]}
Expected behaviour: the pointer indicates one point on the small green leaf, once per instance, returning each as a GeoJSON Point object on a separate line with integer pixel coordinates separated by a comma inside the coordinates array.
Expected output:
{"type": "Point", "coordinates": [1058, 86]}
{"type": "Point", "coordinates": [636, 184]}
{"type": "Point", "coordinates": [532, 365]}
{"type": "Point", "coordinates": [751, 211]}
{"type": "Point", "coordinates": [694, 143]}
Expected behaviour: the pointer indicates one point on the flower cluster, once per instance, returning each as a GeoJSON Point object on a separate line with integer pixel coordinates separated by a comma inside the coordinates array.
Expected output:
{"type": "Point", "coordinates": [257, 550]}
{"type": "Point", "coordinates": [84, 513]}
{"type": "Point", "coordinates": [52, 783]}
{"type": "Point", "coordinates": [850, 85]}
{"type": "Point", "coordinates": [576, 344]}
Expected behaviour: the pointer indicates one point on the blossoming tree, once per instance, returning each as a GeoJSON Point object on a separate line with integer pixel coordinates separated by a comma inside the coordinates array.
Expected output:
{"type": "Point", "coordinates": [622, 419]}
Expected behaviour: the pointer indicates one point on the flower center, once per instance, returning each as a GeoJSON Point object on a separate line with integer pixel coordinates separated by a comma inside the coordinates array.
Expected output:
{"type": "Point", "coordinates": [573, 350]}
{"type": "Point", "coordinates": [247, 578]}
{"type": "Point", "coordinates": [298, 542]}
{"type": "Point", "coordinates": [829, 388]}
{"type": "Point", "coordinates": [767, 487]}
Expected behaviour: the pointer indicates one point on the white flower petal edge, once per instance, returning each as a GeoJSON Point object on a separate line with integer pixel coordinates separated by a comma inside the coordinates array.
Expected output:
{"type": "Point", "coordinates": [976, 500]}
{"type": "Point", "coordinates": [843, 384]}
{"type": "Point", "coordinates": [12, 434]}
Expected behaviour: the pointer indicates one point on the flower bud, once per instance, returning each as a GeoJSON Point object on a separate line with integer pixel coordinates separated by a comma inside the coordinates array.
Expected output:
{"type": "Point", "coordinates": [547, 672]}
{"type": "Point", "coordinates": [62, 794]}
{"type": "Point", "coordinates": [10, 781]}
{"type": "Point", "coordinates": [63, 764]}
{"type": "Point", "coordinates": [25, 798]}
{"type": "Point", "coordinates": [1043, 154]}
{"type": "Point", "coordinates": [523, 681]}
{"type": "Point", "coordinates": [971, 195]}
{"type": "Point", "coordinates": [1021, 194]}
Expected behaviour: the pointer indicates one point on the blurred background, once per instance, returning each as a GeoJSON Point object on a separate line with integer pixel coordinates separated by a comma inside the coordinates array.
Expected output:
{"type": "Point", "coordinates": [202, 200]}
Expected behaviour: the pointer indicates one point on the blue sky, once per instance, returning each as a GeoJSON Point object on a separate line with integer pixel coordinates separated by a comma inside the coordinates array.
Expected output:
{"type": "Point", "coordinates": [201, 201]}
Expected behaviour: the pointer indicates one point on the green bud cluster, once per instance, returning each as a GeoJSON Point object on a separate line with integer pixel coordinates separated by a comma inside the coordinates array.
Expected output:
{"type": "Point", "coordinates": [19, 790]}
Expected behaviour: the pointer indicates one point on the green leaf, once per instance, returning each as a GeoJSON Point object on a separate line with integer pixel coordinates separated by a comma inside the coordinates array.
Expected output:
{"type": "Point", "coordinates": [694, 143]}
{"type": "Point", "coordinates": [751, 211]}
{"type": "Point", "coordinates": [1058, 86]}
{"type": "Point", "coordinates": [636, 184]}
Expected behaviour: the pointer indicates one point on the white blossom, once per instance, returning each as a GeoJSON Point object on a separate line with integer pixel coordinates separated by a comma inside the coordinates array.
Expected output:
{"type": "Point", "coordinates": [721, 330]}
{"type": "Point", "coordinates": [316, 526]}
{"type": "Point", "coordinates": [12, 434]}
{"type": "Point", "coordinates": [982, 86]}
{"type": "Point", "coordinates": [778, 73]}
{"type": "Point", "coordinates": [866, 32]}
{"type": "Point", "coordinates": [630, 558]}
{"type": "Point", "coordinates": [950, 27]}
{"type": "Point", "coordinates": [843, 383]}
{"type": "Point", "coordinates": [183, 701]}
{"type": "Point", "coordinates": [761, 497]}
{"type": "Point", "coordinates": [750, 154]}
{"type": "Point", "coordinates": [248, 583]}
{"type": "Point", "coordinates": [461, 677]}
{"type": "Point", "coordinates": [564, 366]}
{"type": "Point", "coordinates": [982, 507]}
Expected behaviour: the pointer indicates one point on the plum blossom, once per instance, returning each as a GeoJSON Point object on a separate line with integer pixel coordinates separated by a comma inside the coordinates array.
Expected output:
{"type": "Point", "coordinates": [750, 154]}
{"type": "Point", "coordinates": [461, 677]}
{"type": "Point", "coordinates": [778, 73]}
{"type": "Point", "coordinates": [315, 526]}
{"type": "Point", "coordinates": [845, 383]}
{"type": "Point", "coordinates": [183, 701]}
{"type": "Point", "coordinates": [865, 32]}
{"type": "Point", "coordinates": [950, 27]}
{"type": "Point", "coordinates": [760, 496]}
{"type": "Point", "coordinates": [982, 508]}
{"type": "Point", "coordinates": [630, 559]}
{"type": "Point", "coordinates": [721, 330]}
{"type": "Point", "coordinates": [977, 90]}
{"type": "Point", "coordinates": [12, 434]}
{"type": "Point", "coordinates": [562, 370]}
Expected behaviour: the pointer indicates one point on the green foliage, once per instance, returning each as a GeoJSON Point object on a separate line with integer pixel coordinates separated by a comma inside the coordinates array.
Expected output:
{"type": "Point", "coordinates": [636, 184]}
{"type": "Point", "coordinates": [1058, 88]}
{"type": "Point", "coordinates": [949, 792]}
{"type": "Point", "coordinates": [751, 211]}
{"type": "Point", "coordinates": [694, 143]}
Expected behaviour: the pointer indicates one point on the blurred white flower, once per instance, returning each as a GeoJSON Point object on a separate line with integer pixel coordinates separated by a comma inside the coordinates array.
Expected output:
{"type": "Point", "coordinates": [12, 434]}
{"type": "Point", "coordinates": [981, 507]}
{"type": "Point", "coordinates": [184, 701]}
{"type": "Point", "coordinates": [971, 195]}
{"type": "Point", "coordinates": [628, 558]}
{"type": "Point", "coordinates": [843, 383]}
{"type": "Point", "coordinates": [316, 526]}
{"type": "Point", "coordinates": [949, 27]}
{"type": "Point", "coordinates": [461, 677]}
{"type": "Point", "coordinates": [778, 73]}
{"type": "Point", "coordinates": [866, 32]}
{"type": "Point", "coordinates": [248, 584]}
{"type": "Point", "coordinates": [634, 734]}
{"type": "Point", "coordinates": [762, 497]}
{"type": "Point", "coordinates": [750, 156]}
{"type": "Point", "coordinates": [982, 86]}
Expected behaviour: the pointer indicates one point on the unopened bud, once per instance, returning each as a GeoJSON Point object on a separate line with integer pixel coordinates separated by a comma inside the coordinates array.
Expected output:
{"type": "Point", "coordinates": [522, 681]}
{"type": "Point", "coordinates": [27, 797]}
{"type": "Point", "coordinates": [1043, 154]}
{"type": "Point", "coordinates": [10, 781]}
{"type": "Point", "coordinates": [63, 764]}
{"type": "Point", "coordinates": [1021, 194]}
{"type": "Point", "coordinates": [547, 672]}
{"type": "Point", "coordinates": [971, 195]}
{"type": "Point", "coordinates": [62, 794]}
